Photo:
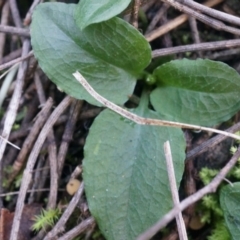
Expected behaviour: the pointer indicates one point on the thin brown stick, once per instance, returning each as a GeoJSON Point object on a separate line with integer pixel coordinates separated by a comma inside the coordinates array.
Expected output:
{"type": "Point", "coordinates": [4, 22]}
{"type": "Point", "coordinates": [166, 39]}
{"type": "Point", "coordinates": [157, 17]}
{"type": "Point", "coordinates": [80, 228]}
{"type": "Point", "coordinates": [174, 190]}
{"type": "Point", "coordinates": [12, 108]}
{"type": "Point", "coordinates": [216, 24]}
{"type": "Point", "coordinates": [175, 23]}
{"type": "Point", "coordinates": [20, 133]}
{"type": "Point", "coordinates": [224, 55]}
{"type": "Point", "coordinates": [15, 100]}
{"type": "Point", "coordinates": [52, 152]}
{"type": "Point", "coordinates": [141, 120]}
{"type": "Point", "coordinates": [40, 175]}
{"type": "Point", "coordinates": [194, 32]}
{"type": "Point", "coordinates": [15, 13]}
{"type": "Point", "coordinates": [77, 171]}
{"type": "Point", "coordinates": [28, 16]}
{"type": "Point", "coordinates": [68, 133]}
{"type": "Point", "coordinates": [196, 47]}
{"type": "Point", "coordinates": [15, 61]}
{"type": "Point", "coordinates": [39, 88]}
{"type": "Point", "coordinates": [32, 110]}
{"type": "Point", "coordinates": [60, 225]}
{"type": "Point", "coordinates": [212, 12]}
{"type": "Point", "coordinates": [146, 4]}
{"type": "Point", "coordinates": [27, 175]}
{"type": "Point", "coordinates": [11, 56]}
{"type": "Point", "coordinates": [14, 30]}
{"type": "Point", "coordinates": [134, 13]}
{"type": "Point", "coordinates": [32, 107]}
{"type": "Point", "coordinates": [210, 188]}
{"type": "Point", "coordinates": [211, 142]}
{"type": "Point", "coordinates": [30, 191]}
{"type": "Point", "coordinates": [29, 141]}
{"type": "Point", "coordinates": [190, 188]}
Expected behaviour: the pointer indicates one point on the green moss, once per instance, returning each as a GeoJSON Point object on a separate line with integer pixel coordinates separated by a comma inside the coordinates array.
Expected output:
{"type": "Point", "coordinates": [207, 175]}
{"type": "Point", "coordinates": [45, 219]}
{"type": "Point", "coordinates": [220, 232]}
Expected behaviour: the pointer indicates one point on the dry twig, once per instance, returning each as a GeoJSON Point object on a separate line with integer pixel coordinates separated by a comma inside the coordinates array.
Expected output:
{"type": "Point", "coordinates": [141, 120]}
{"type": "Point", "coordinates": [212, 12]}
{"type": "Point", "coordinates": [52, 156]}
{"type": "Point", "coordinates": [76, 231]}
{"type": "Point", "coordinates": [175, 23]}
{"type": "Point", "coordinates": [15, 14]}
{"type": "Point", "coordinates": [29, 141]}
{"type": "Point", "coordinates": [194, 32]}
{"type": "Point", "coordinates": [4, 22]}
{"type": "Point", "coordinates": [157, 17]}
{"type": "Point", "coordinates": [60, 225]}
{"type": "Point", "coordinates": [216, 24]}
{"type": "Point", "coordinates": [11, 56]}
{"type": "Point", "coordinates": [41, 174]}
{"type": "Point", "coordinates": [15, 61]}
{"type": "Point", "coordinates": [134, 13]}
{"type": "Point", "coordinates": [29, 191]}
{"type": "Point", "coordinates": [174, 190]}
{"type": "Point", "coordinates": [210, 188]}
{"type": "Point", "coordinates": [27, 175]}
{"type": "Point", "coordinates": [28, 17]}
{"type": "Point", "coordinates": [197, 47]}
{"type": "Point", "coordinates": [211, 142]}
{"type": "Point", "coordinates": [15, 100]}
{"type": "Point", "coordinates": [68, 133]}
{"type": "Point", "coordinates": [14, 30]}
{"type": "Point", "coordinates": [76, 172]}
{"type": "Point", "coordinates": [52, 151]}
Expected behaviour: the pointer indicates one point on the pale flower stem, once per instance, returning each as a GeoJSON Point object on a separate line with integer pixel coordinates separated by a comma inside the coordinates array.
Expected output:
{"type": "Point", "coordinates": [140, 120]}
{"type": "Point", "coordinates": [174, 190]}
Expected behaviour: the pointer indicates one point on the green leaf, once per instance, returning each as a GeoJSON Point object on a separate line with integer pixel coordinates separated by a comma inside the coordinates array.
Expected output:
{"type": "Point", "coordinates": [229, 200]}
{"type": "Point", "coordinates": [61, 49]}
{"type": "Point", "coordinates": [125, 174]}
{"type": "Point", "coordinates": [202, 92]}
{"type": "Point", "coordinates": [92, 11]}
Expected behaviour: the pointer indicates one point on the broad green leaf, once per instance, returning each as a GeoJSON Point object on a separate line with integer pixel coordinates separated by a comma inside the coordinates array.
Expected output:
{"type": "Point", "coordinates": [229, 200]}
{"type": "Point", "coordinates": [92, 11]}
{"type": "Point", "coordinates": [61, 49]}
{"type": "Point", "coordinates": [125, 174]}
{"type": "Point", "coordinates": [202, 92]}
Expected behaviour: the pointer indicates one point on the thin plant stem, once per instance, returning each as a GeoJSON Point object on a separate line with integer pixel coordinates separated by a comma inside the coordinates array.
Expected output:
{"type": "Point", "coordinates": [210, 188]}
{"type": "Point", "coordinates": [140, 120]}
{"type": "Point", "coordinates": [174, 190]}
